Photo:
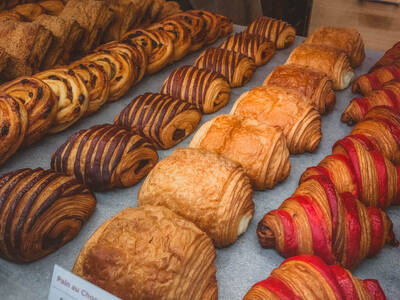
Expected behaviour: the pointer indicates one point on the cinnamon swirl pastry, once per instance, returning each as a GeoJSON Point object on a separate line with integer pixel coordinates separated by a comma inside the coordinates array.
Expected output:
{"type": "Point", "coordinates": [334, 63]}
{"type": "Point", "coordinates": [277, 31]}
{"type": "Point", "coordinates": [39, 102]}
{"type": "Point", "coordinates": [225, 25]}
{"type": "Point", "coordinates": [104, 157]}
{"type": "Point", "coordinates": [286, 109]}
{"type": "Point", "coordinates": [203, 187]}
{"type": "Point", "coordinates": [375, 80]}
{"type": "Point", "coordinates": [14, 124]}
{"type": "Point", "coordinates": [71, 96]}
{"type": "Point", "coordinates": [41, 211]}
{"type": "Point", "coordinates": [254, 46]}
{"type": "Point", "coordinates": [208, 91]}
{"type": "Point", "coordinates": [157, 44]}
{"type": "Point", "coordinates": [211, 24]}
{"type": "Point", "coordinates": [162, 119]}
{"type": "Point", "coordinates": [260, 149]}
{"type": "Point", "coordinates": [314, 85]}
{"type": "Point", "coordinates": [235, 67]}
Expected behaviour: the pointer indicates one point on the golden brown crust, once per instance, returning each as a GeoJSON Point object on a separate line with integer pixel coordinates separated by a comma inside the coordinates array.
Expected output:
{"type": "Point", "coordinates": [390, 58]}
{"type": "Point", "coordinates": [4, 58]}
{"type": "Point", "coordinates": [125, 253]}
{"type": "Point", "coordinates": [205, 188]}
{"type": "Point", "coordinates": [52, 7]}
{"type": "Point", "coordinates": [169, 8]}
{"type": "Point", "coordinates": [211, 24]}
{"type": "Point", "coordinates": [375, 80]}
{"type": "Point", "coordinates": [225, 25]}
{"type": "Point", "coordinates": [124, 12]}
{"type": "Point", "coordinates": [41, 211]}
{"type": "Point", "coordinates": [29, 11]}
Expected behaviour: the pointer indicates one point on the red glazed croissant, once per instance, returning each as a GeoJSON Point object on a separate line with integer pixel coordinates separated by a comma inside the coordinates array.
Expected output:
{"type": "Point", "coordinates": [390, 58]}
{"type": "Point", "coordinates": [375, 80]}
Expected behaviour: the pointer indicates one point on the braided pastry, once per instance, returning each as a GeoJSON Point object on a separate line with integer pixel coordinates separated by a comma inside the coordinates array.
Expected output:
{"type": "Point", "coordinates": [39, 102]}
{"type": "Point", "coordinates": [157, 44]}
{"type": "Point", "coordinates": [277, 31]}
{"type": "Point", "coordinates": [334, 63]}
{"type": "Point", "coordinates": [260, 149]}
{"type": "Point", "coordinates": [211, 24]}
{"type": "Point", "coordinates": [348, 40]}
{"type": "Point", "coordinates": [254, 46]}
{"type": "Point", "coordinates": [235, 67]}
{"type": "Point", "coordinates": [71, 96]}
{"type": "Point", "coordinates": [211, 191]}
{"type": "Point", "coordinates": [14, 124]}
{"type": "Point", "coordinates": [359, 107]}
{"type": "Point", "coordinates": [317, 220]}
{"type": "Point", "coordinates": [105, 156]}
{"type": "Point", "coordinates": [41, 211]}
{"type": "Point", "coordinates": [225, 25]}
{"type": "Point", "coordinates": [382, 127]}
{"type": "Point", "coordinates": [375, 80]}
{"type": "Point", "coordinates": [207, 90]}
{"type": "Point", "coordinates": [314, 85]}
{"type": "Point", "coordinates": [307, 277]}
{"type": "Point", "coordinates": [127, 251]}
{"type": "Point", "coordinates": [286, 109]}
{"type": "Point", "coordinates": [390, 58]}
{"type": "Point", "coordinates": [162, 119]}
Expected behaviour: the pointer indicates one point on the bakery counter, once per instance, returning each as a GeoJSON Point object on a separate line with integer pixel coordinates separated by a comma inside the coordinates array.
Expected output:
{"type": "Point", "coordinates": [240, 265]}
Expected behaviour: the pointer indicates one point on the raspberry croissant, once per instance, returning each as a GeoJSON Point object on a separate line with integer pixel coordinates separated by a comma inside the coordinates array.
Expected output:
{"type": "Point", "coordinates": [207, 90]}
{"type": "Point", "coordinates": [307, 277]}
{"type": "Point", "coordinates": [235, 67]}
{"type": "Point", "coordinates": [41, 210]}
{"type": "Point", "coordinates": [126, 253]}
{"type": "Point", "coordinates": [390, 58]}
{"type": "Point", "coordinates": [375, 80]}
{"type": "Point", "coordinates": [286, 109]}
{"type": "Point", "coordinates": [314, 85]}
{"type": "Point", "coordinates": [104, 157]}
{"type": "Point", "coordinates": [205, 188]}
{"type": "Point", "coordinates": [162, 119]}
{"type": "Point", "coordinates": [260, 149]}
{"type": "Point", "coordinates": [317, 220]}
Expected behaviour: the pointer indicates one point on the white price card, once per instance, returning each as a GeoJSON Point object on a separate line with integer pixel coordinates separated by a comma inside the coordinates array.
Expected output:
{"type": "Point", "coordinates": [68, 286]}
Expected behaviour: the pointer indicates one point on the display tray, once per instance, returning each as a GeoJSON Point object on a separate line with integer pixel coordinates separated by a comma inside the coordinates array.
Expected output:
{"type": "Point", "coordinates": [238, 266]}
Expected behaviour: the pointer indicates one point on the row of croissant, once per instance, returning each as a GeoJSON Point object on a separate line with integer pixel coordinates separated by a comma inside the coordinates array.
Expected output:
{"type": "Point", "coordinates": [40, 36]}
{"type": "Point", "coordinates": [53, 100]}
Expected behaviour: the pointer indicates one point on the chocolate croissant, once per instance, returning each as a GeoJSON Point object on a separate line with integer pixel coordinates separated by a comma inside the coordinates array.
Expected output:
{"type": "Point", "coordinates": [381, 127]}
{"type": "Point", "coordinates": [348, 40]}
{"type": "Point", "coordinates": [390, 58]}
{"type": "Point", "coordinates": [41, 211]}
{"type": "Point", "coordinates": [39, 102]}
{"type": "Point", "coordinates": [254, 46]}
{"type": "Point", "coordinates": [207, 90]}
{"type": "Point", "coordinates": [277, 31]}
{"type": "Point", "coordinates": [286, 109]}
{"type": "Point", "coordinates": [125, 253]}
{"type": "Point", "coordinates": [104, 157]}
{"type": "Point", "coordinates": [374, 81]}
{"type": "Point", "coordinates": [14, 125]}
{"type": "Point", "coordinates": [331, 61]}
{"type": "Point", "coordinates": [205, 188]}
{"type": "Point", "coordinates": [235, 67]}
{"type": "Point", "coordinates": [318, 220]}
{"type": "Point", "coordinates": [162, 119]}
{"type": "Point", "coordinates": [307, 277]}
{"type": "Point", "coordinates": [316, 87]}
{"type": "Point", "coordinates": [260, 149]}
{"type": "Point", "coordinates": [71, 96]}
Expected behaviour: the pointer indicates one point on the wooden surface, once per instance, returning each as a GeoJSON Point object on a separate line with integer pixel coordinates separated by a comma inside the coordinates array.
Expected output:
{"type": "Point", "coordinates": [378, 23]}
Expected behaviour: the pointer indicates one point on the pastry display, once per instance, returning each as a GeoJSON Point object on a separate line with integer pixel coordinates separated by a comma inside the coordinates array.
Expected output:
{"type": "Point", "coordinates": [207, 90]}
{"type": "Point", "coordinates": [235, 67]}
{"type": "Point", "coordinates": [41, 211]}
{"type": "Point", "coordinates": [150, 253]}
{"type": "Point", "coordinates": [375, 80]}
{"type": "Point", "coordinates": [70, 94]}
{"type": "Point", "coordinates": [347, 40]}
{"type": "Point", "coordinates": [254, 46]}
{"type": "Point", "coordinates": [307, 277]}
{"type": "Point", "coordinates": [316, 87]}
{"type": "Point", "coordinates": [284, 108]}
{"type": "Point", "coordinates": [205, 188]}
{"type": "Point", "coordinates": [277, 31]}
{"type": "Point", "coordinates": [40, 104]}
{"type": "Point", "coordinates": [390, 58]}
{"type": "Point", "coordinates": [105, 156]}
{"type": "Point", "coordinates": [318, 220]}
{"type": "Point", "coordinates": [14, 125]}
{"type": "Point", "coordinates": [259, 148]}
{"type": "Point", "coordinates": [331, 61]}
{"type": "Point", "coordinates": [162, 119]}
